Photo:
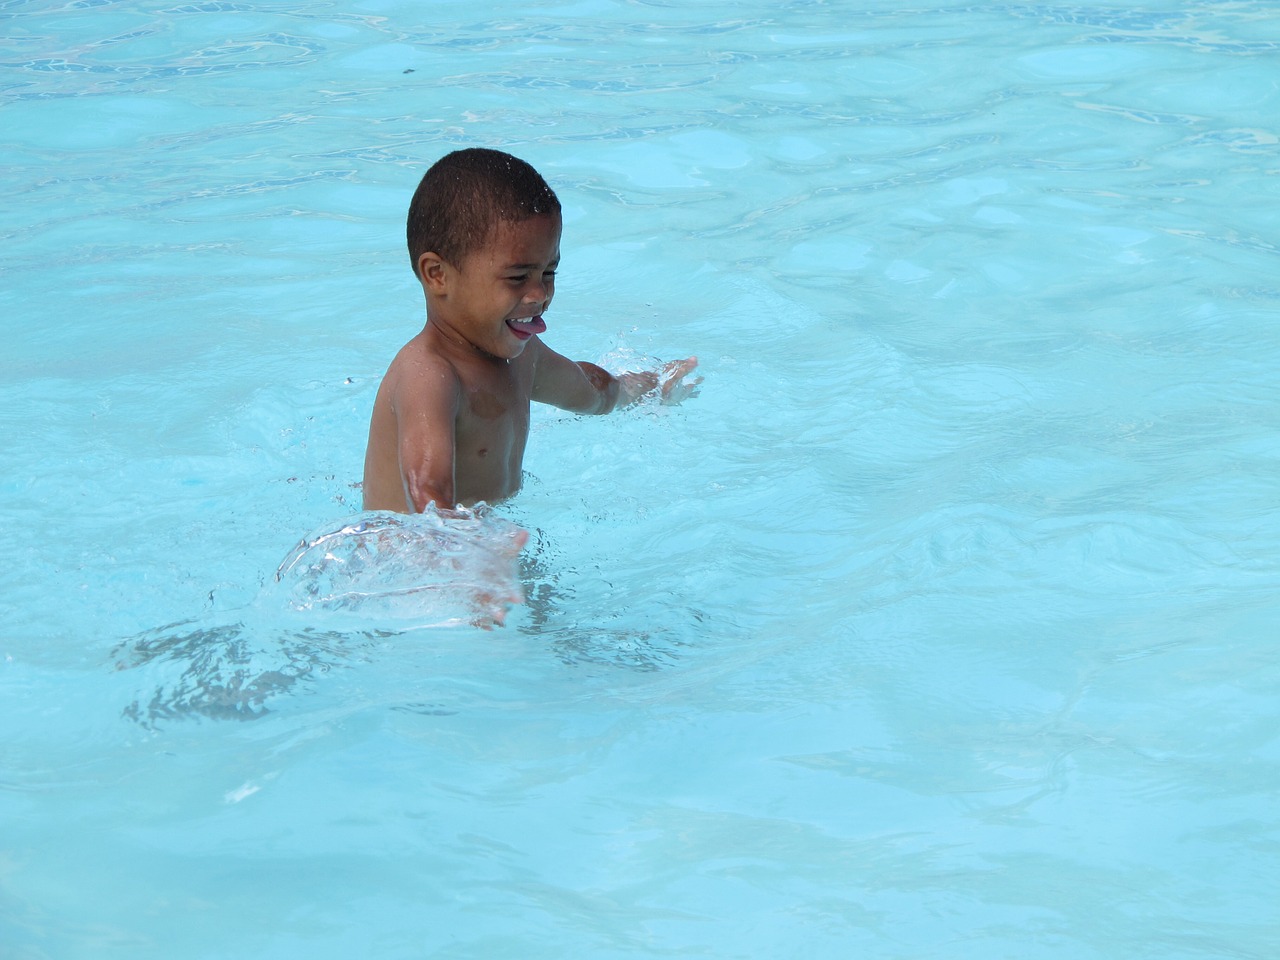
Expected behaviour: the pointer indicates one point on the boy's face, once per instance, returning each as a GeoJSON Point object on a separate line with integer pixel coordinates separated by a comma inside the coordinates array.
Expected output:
{"type": "Point", "coordinates": [494, 299]}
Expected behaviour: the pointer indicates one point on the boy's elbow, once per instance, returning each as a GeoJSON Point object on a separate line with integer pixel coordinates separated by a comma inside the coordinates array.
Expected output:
{"type": "Point", "coordinates": [592, 405]}
{"type": "Point", "coordinates": [418, 494]}
{"type": "Point", "coordinates": [603, 396]}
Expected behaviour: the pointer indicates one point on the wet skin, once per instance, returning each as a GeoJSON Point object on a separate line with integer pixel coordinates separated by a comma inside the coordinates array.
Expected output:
{"type": "Point", "coordinates": [451, 418]}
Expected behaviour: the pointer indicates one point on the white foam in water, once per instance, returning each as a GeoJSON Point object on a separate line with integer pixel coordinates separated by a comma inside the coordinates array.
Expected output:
{"type": "Point", "coordinates": [428, 569]}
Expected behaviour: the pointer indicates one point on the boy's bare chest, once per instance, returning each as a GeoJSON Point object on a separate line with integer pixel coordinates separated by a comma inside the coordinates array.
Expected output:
{"type": "Point", "coordinates": [494, 408]}
{"type": "Point", "coordinates": [490, 432]}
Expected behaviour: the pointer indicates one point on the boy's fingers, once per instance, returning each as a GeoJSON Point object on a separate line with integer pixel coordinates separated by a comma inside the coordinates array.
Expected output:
{"type": "Point", "coordinates": [680, 367]}
{"type": "Point", "coordinates": [675, 388]}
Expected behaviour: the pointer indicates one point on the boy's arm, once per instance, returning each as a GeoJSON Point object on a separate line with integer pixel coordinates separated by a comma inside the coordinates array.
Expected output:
{"type": "Point", "coordinates": [426, 410]}
{"type": "Point", "coordinates": [582, 387]}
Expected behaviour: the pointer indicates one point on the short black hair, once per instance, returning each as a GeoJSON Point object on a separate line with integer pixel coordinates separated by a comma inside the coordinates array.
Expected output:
{"type": "Point", "coordinates": [465, 195]}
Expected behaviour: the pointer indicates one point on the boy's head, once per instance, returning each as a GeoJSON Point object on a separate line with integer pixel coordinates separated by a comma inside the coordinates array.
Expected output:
{"type": "Point", "coordinates": [465, 195]}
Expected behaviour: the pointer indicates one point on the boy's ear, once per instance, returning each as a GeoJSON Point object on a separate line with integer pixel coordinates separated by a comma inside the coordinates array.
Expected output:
{"type": "Point", "coordinates": [431, 271]}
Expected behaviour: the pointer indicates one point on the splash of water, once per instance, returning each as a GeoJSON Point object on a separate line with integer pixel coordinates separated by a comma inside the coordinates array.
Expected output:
{"type": "Point", "coordinates": [434, 569]}
{"type": "Point", "coordinates": [340, 591]}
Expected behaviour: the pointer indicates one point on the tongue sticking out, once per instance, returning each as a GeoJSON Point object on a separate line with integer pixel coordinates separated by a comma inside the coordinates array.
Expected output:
{"type": "Point", "coordinates": [524, 329]}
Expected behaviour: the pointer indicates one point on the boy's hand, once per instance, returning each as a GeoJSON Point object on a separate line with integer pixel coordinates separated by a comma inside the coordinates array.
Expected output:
{"type": "Point", "coordinates": [674, 386]}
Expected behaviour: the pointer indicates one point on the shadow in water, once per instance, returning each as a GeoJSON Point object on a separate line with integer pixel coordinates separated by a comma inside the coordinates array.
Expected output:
{"type": "Point", "coordinates": [621, 637]}
{"type": "Point", "coordinates": [343, 593]}
{"type": "Point", "coordinates": [228, 671]}
{"type": "Point", "coordinates": [364, 579]}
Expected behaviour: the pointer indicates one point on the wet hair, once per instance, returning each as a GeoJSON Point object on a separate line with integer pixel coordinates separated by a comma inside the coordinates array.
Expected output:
{"type": "Point", "coordinates": [465, 195]}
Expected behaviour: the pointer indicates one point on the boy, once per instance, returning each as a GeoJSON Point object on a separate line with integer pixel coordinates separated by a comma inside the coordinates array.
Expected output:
{"type": "Point", "coordinates": [451, 418]}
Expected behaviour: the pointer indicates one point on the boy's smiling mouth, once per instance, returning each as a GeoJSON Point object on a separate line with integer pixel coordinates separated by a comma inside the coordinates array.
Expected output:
{"type": "Point", "coordinates": [526, 328]}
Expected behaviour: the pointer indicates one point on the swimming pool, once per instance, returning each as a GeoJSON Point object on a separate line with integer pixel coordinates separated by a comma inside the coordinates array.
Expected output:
{"type": "Point", "coordinates": [941, 625]}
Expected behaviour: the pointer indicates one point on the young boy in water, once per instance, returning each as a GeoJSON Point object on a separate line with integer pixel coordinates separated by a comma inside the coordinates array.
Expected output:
{"type": "Point", "coordinates": [451, 418]}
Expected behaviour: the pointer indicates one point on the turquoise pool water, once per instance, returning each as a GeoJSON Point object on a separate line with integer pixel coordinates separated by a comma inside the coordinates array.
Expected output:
{"type": "Point", "coordinates": [941, 625]}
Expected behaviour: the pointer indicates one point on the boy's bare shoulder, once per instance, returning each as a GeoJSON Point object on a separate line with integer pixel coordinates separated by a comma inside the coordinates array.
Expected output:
{"type": "Point", "coordinates": [419, 371]}
{"type": "Point", "coordinates": [418, 354]}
